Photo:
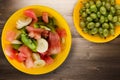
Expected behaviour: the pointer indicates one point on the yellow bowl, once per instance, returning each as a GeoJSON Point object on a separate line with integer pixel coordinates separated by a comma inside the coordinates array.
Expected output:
{"type": "Point", "coordinates": [95, 39]}
{"type": "Point", "coordinates": [10, 25]}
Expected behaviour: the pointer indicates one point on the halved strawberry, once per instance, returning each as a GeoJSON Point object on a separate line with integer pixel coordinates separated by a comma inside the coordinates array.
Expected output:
{"type": "Point", "coordinates": [54, 43]}
{"type": "Point", "coordinates": [30, 13]}
{"type": "Point", "coordinates": [45, 17]}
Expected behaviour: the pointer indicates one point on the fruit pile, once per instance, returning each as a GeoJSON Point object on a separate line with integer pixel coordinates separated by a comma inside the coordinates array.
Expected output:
{"type": "Point", "coordinates": [37, 41]}
{"type": "Point", "coordinates": [100, 17]}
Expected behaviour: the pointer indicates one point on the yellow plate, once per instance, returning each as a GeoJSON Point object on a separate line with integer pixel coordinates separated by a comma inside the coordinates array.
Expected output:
{"type": "Point", "coordinates": [95, 39]}
{"type": "Point", "coordinates": [10, 25]}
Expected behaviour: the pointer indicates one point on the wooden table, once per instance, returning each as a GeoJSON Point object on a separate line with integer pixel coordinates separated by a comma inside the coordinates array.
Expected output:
{"type": "Point", "coordinates": [86, 61]}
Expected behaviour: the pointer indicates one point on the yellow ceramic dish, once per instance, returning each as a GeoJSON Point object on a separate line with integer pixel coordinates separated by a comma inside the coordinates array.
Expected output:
{"type": "Point", "coordinates": [10, 25]}
{"type": "Point", "coordinates": [88, 37]}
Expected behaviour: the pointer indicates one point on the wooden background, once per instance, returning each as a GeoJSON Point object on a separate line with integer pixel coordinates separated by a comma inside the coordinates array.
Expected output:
{"type": "Point", "coordinates": [86, 61]}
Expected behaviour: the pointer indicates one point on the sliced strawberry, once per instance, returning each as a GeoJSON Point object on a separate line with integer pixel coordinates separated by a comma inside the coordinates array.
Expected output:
{"type": "Point", "coordinates": [10, 52]}
{"type": "Point", "coordinates": [61, 32]}
{"type": "Point", "coordinates": [54, 43]}
{"type": "Point", "coordinates": [11, 35]}
{"type": "Point", "coordinates": [45, 17]}
{"type": "Point", "coordinates": [48, 60]}
{"type": "Point", "coordinates": [30, 13]}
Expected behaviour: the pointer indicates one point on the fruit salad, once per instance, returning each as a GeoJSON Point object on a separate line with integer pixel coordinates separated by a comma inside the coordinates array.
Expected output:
{"type": "Point", "coordinates": [38, 40]}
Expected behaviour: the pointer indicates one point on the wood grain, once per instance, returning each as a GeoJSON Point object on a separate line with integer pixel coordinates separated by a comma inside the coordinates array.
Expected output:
{"type": "Point", "coordinates": [86, 61]}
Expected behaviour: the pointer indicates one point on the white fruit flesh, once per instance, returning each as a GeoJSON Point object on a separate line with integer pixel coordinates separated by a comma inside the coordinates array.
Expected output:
{"type": "Point", "coordinates": [23, 22]}
{"type": "Point", "coordinates": [16, 42]}
{"type": "Point", "coordinates": [42, 45]}
{"type": "Point", "coordinates": [36, 56]}
{"type": "Point", "coordinates": [39, 63]}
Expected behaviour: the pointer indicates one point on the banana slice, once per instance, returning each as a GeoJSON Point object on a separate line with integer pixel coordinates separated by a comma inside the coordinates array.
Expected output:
{"type": "Point", "coordinates": [23, 22]}
{"type": "Point", "coordinates": [42, 45]}
{"type": "Point", "coordinates": [39, 63]}
{"type": "Point", "coordinates": [36, 56]}
{"type": "Point", "coordinates": [16, 42]}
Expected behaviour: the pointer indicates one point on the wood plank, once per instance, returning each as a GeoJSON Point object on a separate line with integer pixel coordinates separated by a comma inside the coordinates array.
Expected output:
{"type": "Point", "coordinates": [84, 62]}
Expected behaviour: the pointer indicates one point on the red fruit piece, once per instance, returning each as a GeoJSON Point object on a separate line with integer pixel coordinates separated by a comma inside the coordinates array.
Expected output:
{"type": "Point", "coordinates": [21, 57]}
{"type": "Point", "coordinates": [45, 33]}
{"type": "Point", "coordinates": [28, 53]}
{"type": "Point", "coordinates": [34, 32]}
{"type": "Point", "coordinates": [61, 32]}
{"type": "Point", "coordinates": [45, 17]}
{"type": "Point", "coordinates": [30, 13]}
{"type": "Point", "coordinates": [54, 43]}
{"type": "Point", "coordinates": [25, 50]}
{"type": "Point", "coordinates": [11, 35]}
{"type": "Point", "coordinates": [42, 55]}
{"type": "Point", "coordinates": [10, 52]}
{"type": "Point", "coordinates": [34, 35]}
{"type": "Point", "coordinates": [32, 29]}
{"type": "Point", "coordinates": [48, 60]}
